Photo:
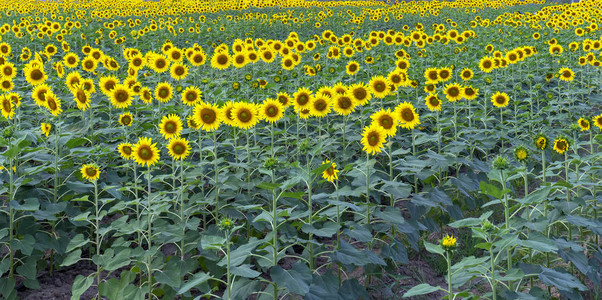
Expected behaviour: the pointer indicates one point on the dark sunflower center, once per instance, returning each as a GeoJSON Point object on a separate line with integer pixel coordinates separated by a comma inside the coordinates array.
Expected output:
{"type": "Point", "coordinates": [179, 71]}
{"type": "Point", "coordinates": [434, 101]}
{"type": "Point", "coordinates": [6, 106]}
{"type": "Point", "coordinates": [198, 59]}
{"type": "Point", "coordinates": [6, 84]}
{"type": "Point", "coordinates": [81, 97]}
{"type": "Point", "coordinates": [145, 153]}
{"type": "Point", "coordinates": [566, 74]}
{"type": "Point", "coordinates": [8, 71]}
{"type": "Point", "coordinates": [272, 111]}
{"type": "Point", "coordinates": [562, 145]}
{"type": "Point", "coordinates": [90, 171]}
{"type": "Point", "coordinates": [373, 139]}
{"type": "Point", "coordinates": [121, 96]}
{"type": "Point", "coordinates": [352, 68]}
{"type": "Point", "coordinates": [386, 122]}
{"type": "Point", "coordinates": [179, 149]}
{"type": "Point", "coordinates": [36, 74]}
{"type": "Point", "coordinates": [487, 64]}
{"type": "Point", "coordinates": [469, 91]}
{"type": "Point", "coordinates": [244, 115]}
{"type": "Point", "coordinates": [222, 59]}
{"type": "Point", "coordinates": [320, 105]}
{"type": "Point", "coordinates": [160, 63]}
{"type": "Point", "coordinates": [170, 127]}
{"type": "Point", "coordinates": [288, 63]}
{"type": "Point", "coordinates": [52, 104]}
{"type": "Point", "coordinates": [303, 99]}
{"type": "Point", "coordinates": [208, 115]}
{"type": "Point", "coordinates": [444, 74]}
{"type": "Point", "coordinates": [191, 96]}
{"type": "Point", "coordinates": [126, 120]}
{"type": "Point", "coordinates": [500, 100]}
{"type": "Point", "coordinates": [407, 115]}
{"type": "Point", "coordinates": [330, 171]}
{"type": "Point", "coordinates": [267, 55]}
{"type": "Point", "coordinates": [453, 91]}
{"type": "Point", "coordinates": [360, 94]}
{"type": "Point", "coordinates": [127, 150]}
{"type": "Point", "coordinates": [380, 86]}
{"type": "Point", "coordinates": [163, 92]}
{"type": "Point", "coordinates": [109, 85]}
{"type": "Point", "coordinates": [466, 74]}
{"type": "Point", "coordinates": [240, 59]}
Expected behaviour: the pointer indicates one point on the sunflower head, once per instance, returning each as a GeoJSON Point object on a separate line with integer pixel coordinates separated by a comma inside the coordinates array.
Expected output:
{"type": "Point", "coordinates": [126, 119]}
{"type": "Point", "coordinates": [178, 148]}
{"type": "Point", "coordinates": [561, 145]}
{"type": "Point", "coordinates": [598, 121]}
{"type": "Point", "coordinates": [330, 173]}
{"type": "Point", "coordinates": [373, 139]}
{"type": "Point", "coordinates": [541, 141]}
{"type": "Point", "coordinates": [583, 124]}
{"type": "Point", "coordinates": [521, 154]}
{"type": "Point", "coordinates": [90, 172]}
{"type": "Point", "coordinates": [500, 99]}
{"type": "Point", "coordinates": [448, 243]}
{"type": "Point", "coordinates": [145, 152]}
{"type": "Point", "coordinates": [125, 150]}
{"type": "Point", "coordinates": [170, 126]}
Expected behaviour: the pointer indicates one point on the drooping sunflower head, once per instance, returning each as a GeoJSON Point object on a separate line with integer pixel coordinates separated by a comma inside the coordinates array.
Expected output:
{"type": "Point", "coordinates": [178, 148]}
{"type": "Point", "coordinates": [170, 126]}
{"type": "Point", "coordinates": [90, 172]}
{"type": "Point", "coordinates": [500, 99]}
{"type": "Point", "coordinates": [82, 99]}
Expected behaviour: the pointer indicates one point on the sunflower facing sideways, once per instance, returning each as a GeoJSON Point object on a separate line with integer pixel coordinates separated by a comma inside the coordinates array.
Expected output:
{"type": "Point", "coordinates": [373, 139]}
{"type": "Point", "coordinates": [407, 116]}
{"type": "Point", "coordinates": [271, 110]}
{"type": "Point", "coordinates": [7, 107]}
{"type": "Point", "coordinates": [145, 152]}
{"type": "Point", "coordinates": [90, 172]}
{"type": "Point", "coordinates": [598, 121]}
{"type": "Point", "coordinates": [178, 148]}
{"type": "Point", "coordinates": [170, 126]}
{"type": "Point", "coordinates": [330, 174]}
{"type": "Point", "coordinates": [45, 127]}
{"type": "Point", "coordinates": [500, 99]}
{"type": "Point", "coordinates": [583, 124]}
{"type": "Point", "coordinates": [207, 116]}
{"type": "Point", "coordinates": [81, 98]}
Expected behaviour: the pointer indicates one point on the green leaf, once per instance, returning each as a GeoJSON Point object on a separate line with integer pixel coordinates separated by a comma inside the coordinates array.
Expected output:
{"type": "Point", "coordinates": [197, 279]}
{"type": "Point", "coordinates": [390, 215]}
{"type": "Point", "coordinates": [212, 242]}
{"type": "Point", "coordinates": [268, 186]}
{"type": "Point", "coordinates": [297, 279]}
{"type": "Point", "coordinates": [28, 269]}
{"type": "Point", "coordinates": [72, 258]}
{"type": "Point", "coordinates": [7, 288]}
{"type": "Point", "coordinates": [31, 204]}
{"type": "Point", "coordinates": [537, 196]}
{"type": "Point", "coordinates": [491, 190]}
{"type": "Point", "coordinates": [563, 281]}
{"type": "Point", "coordinates": [240, 254]}
{"type": "Point", "coordinates": [349, 255]}
{"type": "Point", "coordinates": [327, 230]}
{"type": "Point", "coordinates": [541, 244]}
{"type": "Point", "coordinates": [77, 242]}
{"type": "Point", "coordinates": [121, 259]}
{"type": "Point", "coordinates": [321, 169]}
{"type": "Point", "coordinates": [421, 289]}
{"type": "Point", "coordinates": [432, 248]}
{"type": "Point", "coordinates": [469, 222]}
{"type": "Point", "coordinates": [244, 271]}
{"type": "Point", "coordinates": [80, 286]}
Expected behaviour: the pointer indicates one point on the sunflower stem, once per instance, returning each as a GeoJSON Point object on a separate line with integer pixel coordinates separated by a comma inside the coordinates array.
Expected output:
{"type": "Point", "coordinates": [216, 170]}
{"type": "Point", "coordinates": [149, 236]}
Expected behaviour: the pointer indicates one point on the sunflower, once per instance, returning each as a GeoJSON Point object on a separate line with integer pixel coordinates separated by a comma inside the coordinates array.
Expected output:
{"type": "Point", "coordinates": [431, 75]}
{"type": "Point", "coordinates": [125, 150]}
{"type": "Point", "coordinates": [121, 96]}
{"type": "Point", "coordinates": [521, 153]}
{"type": "Point", "coordinates": [583, 124]}
{"type": "Point", "coordinates": [178, 71]}
{"type": "Point", "coordinates": [541, 141]}
{"type": "Point", "coordinates": [170, 126]}
{"type": "Point", "coordinates": [73, 79]}
{"type": "Point", "coordinates": [340, 88]}
{"type": "Point", "coordinates": [107, 84]}
{"type": "Point", "coordinates": [163, 92]}
{"type": "Point", "coordinates": [486, 64]}
{"type": "Point", "coordinates": [466, 74]}
{"type": "Point", "coordinates": [444, 74]}
{"type": "Point", "coordinates": [220, 60]}
{"type": "Point", "coordinates": [8, 70]}
{"type": "Point", "coordinates": [35, 75]}
{"type": "Point", "coordinates": [208, 116]}
{"type": "Point", "coordinates": [373, 139]}
{"type": "Point", "coordinates": [330, 174]}
{"type": "Point", "coordinates": [386, 120]}
{"type": "Point", "coordinates": [244, 115]}
{"type": "Point", "coordinates": [566, 74]}
{"type": "Point", "coordinates": [320, 105]}
{"type": "Point", "coordinates": [8, 107]}
{"type": "Point", "coordinates": [146, 95]}
{"type": "Point", "coordinates": [81, 98]}
{"type": "Point", "coordinates": [352, 67]}
{"type": "Point", "coordinates": [159, 63]}
{"type": "Point", "coordinates": [271, 110]}
{"type": "Point", "coordinates": [178, 148]}
{"type": "Point", "coordinates": [145, 152]}
{"type": "Point", "coordinates": [6, 84]}
{"type": "Point", "coordinates": [500, 99]}
{"type": "Point", "coordinates": [227, 116]}
{"type": "Point", "coordinates": [284, 98]}
{"type": "Point", "coordinates": [433, 102]}
{"type": "Point", "coordinates": [89, 64]}
{"type": "Point", "coordinates": [598, 121]}
{"type": "Point", "coordinates": [361, 93]}
{"type": "Point", "coordinates": [470, 93]}
{"type": "Point", "coordinates": [407, 116]}
{"type": "Point", "coordinates": [15, 98]}
{"type": "Point", "coordinates": [454, 92]}
{"type": "Point", "coordinates": [191, 96]}
{"type": "Point", "coordinates": [90, 172]}
{"type": "Point", "coordinates": [302, 99]}
{"type": "Point", "coordinates": [267, 55]}
{"type": "Point", "coordinates": [126, 119]}
{"type": "Point", "coordinates": [240, 60]}
{"type": "Point", "coordinates": [45, 127]}
{"type": "Point", "coordinates": [53, 103]}
{"type": "Point", "coordinates": [343, 104]}
{"type": "Point", "coordinates": [379, 86]}
{"type": "Point", "coordinates": [561, 145]}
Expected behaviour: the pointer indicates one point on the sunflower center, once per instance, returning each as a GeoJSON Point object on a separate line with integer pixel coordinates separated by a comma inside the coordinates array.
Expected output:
{"type": "Point", "coordinates": [352, 68]}
{"type": "Point", "coordinates": [303, 99]}
{"type": "Point", "coordinates": [434, 101]}
{"type": "Point", "coordinates": [453, 92]}
{"type": "Point", "coordinates": [566, 74]}
{"type": "Point", "coordinates": [373, 139]}
{"type": "Point", "coordinates": [160, 63]}
{"type": "Point", "coordinates": [163, 92]}
{"type": "Point", "coordinates": [267, 55]}
{"type": "Point", "coordinates": [91, 172]}
{"type": "Point", "coordinates": [288, 63]}
{"type": "Point", "coordinates": [170, 127]}
{"type": "Point", "coordinates": [198, 58]}
{"type": "Point", "coordinates": [244, 115]}
{"type": "Point", "coordinates": [127, 150]}
{"type": "Point", "coordinates": [360, 94]}
{"type": "Point", "coordinates": [386, 122]}
{"type": "Point", "coordinates": [81, 97]}
{"type": "Point", "coordinates": [36, 74]}
{"type": "Point", "coordinates": [222, 59]}
{"type": "Point", "coordinates": [380, 87]}
{"type": "Point", "coordinates": [191, 96]}
{"type": "Point", "coordinates": [52, 104]}
{"type": "Point", "coordinates": [407, 115]}
{"type": "Point", "coordinates": [500, 100]}
{"type": "Point", "coordinates": [208, 115]}
{"type": "Point", "coordinates": [121, 96]}
{"type": "Point", "coordinates": [179, 149]}
{"type": "Point", "coordinates": [487, 64]}
{"type": "Point", "coordinates": [179, 71]}
{"type": "Point", "coordinates": [444, 74]}
{"type": "Point", "coordinates": [272, 111]}
{"type": "Point", "coordinates": [240, 59]}
{"type": "Point", "coordinates": [126, 120]}
{"type": "Point", "coordinates": [6, 84]}
{"type": "Point", "coordinates": [8, 71]}
{"type": "Point", "coordinates": [6, 106]}
{"type": "Point", "coordinates": [145, 153]}
{"type": "Point", "coordinates": [89, 64]}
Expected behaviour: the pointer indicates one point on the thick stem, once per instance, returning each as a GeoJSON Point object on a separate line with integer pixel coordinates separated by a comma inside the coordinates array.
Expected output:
{"type": "Point", "coordinates": [449, 276]}
{"type": "Point", "coordinates": [149, 236]}
{"type": "Point", "coordinates": [97, 241]}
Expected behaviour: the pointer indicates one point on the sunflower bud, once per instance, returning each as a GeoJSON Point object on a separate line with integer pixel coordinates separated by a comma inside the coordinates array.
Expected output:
{"type": "Point", "coordinates": [500, 163]}
{"type": "Point", "coordinates": [225, 224]}
{"type": "Point", "coordinates": [448, 243]}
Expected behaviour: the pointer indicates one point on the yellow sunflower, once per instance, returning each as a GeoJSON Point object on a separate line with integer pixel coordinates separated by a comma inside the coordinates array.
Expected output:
{"type": "Point", "coordinates": [125, 150]}
{"type": "Point", "coordinates": [170, 126]}
{"type": "Point", "coordinates": [178, 148]}
{"type": "Point", "coordinates": [454, 92]}
{"type": "Point", "coordinates": [343, 104]}
{"type": "Point", "coordinates": [126, 119]}
{"type": "Point", "coordinates": [566, 74]}
{"type": "Point", "coordinates": [444, 74]}
{"type": "Point", "coordinates": [352, 67]}
{"type": "Point", "coordinates": [466, 74]}
{"type": "Point", "coordinates": [163, 92]}
{"type": "Point", "coordinates": [330, 174]}
{"type": "Point", "coordinates": [387, 120]}
{"type": "Point", "coordinates": [486, 64]}
{"type": "Point", "coordinates": [53, 103]}
{"type": "Point", "coordinates": [45, 127]}
{"type": "Point", "coordinates": [245, 115]}
{"type": "Point", "coordinates": [221, 60]}
{"type": "Point", "coordinates": [81, 98]}
{"type": "Point", "coordinates": [407, 116]}
{"type": "Point", "coordinates": [431, 75]}
{"type": "Point", "coordinates": [598, 121]}
{"type": "Point", "coordinates": [500, 99]}
{"type": "Point", "coordinates": [271, 110]}
{"type": "Point", "coordinates": [8, 107]}
{"type": "Point", "coordinates": [561, 145]}
{"type": "Point", "coordinates": [583, 124]}
{"type": "Point", "coordinates": [320, 105]}
{"type": "Point", "coordinates": [35, 75]}
{"type": "Point", "coordinates": [361, 93]}
{"type": "Point", "coordinates": [379, 86]}
{"type": "Point", "coordinates": [121, 96]}
{"type": "Point", "coordinates": [191, 96]}
{"type": "Point", "coordinates": [90, 172]}
{"type": "Point", "coordinates": [145, 152]}
{"type": "Point", "coordinates": [302, 99]}
{"type": "Point", "coordinates": [373, 139]}
{"type": "Point", "coordinates": [470, 93]}
{"type": "Point", "coordinates": [207, 116]}
{"type": "Point", "coordinates": [433, 102]}
{"type": "Point", "coordinates": [178, 71]}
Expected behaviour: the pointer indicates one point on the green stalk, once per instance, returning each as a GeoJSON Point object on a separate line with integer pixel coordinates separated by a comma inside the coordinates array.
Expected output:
{"type": "Point", "coordinates": [182, 243]}
{"type": "Point", "coordinates": [507, 219]}
{"type": "Point", "coordinates": [228, 292]}
{"type": "Point", "coordinates": [493, 282]}
{"type": "Point", "coordinates": [216, 189]}
{"type": "Point", "coordinates": [11, 223]}
{"type": "Point", "coordinates": [275, 234]}
{"type": "Point", "coordinates": [543, 165]}
{"type": "Point", "coordinates": [149, 236]}
{"type": "Point", "coordinates": [97, 227]}
{"type": "Point", "coordinates": [367, 187]}
{"type": "Point", "coordinates": [449, 276]}
{"type": "Point", "coordinates": [414, 154]}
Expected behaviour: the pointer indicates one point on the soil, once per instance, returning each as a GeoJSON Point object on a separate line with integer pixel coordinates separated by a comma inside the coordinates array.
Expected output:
{"type": "Point", "coordinates": [58, 286]}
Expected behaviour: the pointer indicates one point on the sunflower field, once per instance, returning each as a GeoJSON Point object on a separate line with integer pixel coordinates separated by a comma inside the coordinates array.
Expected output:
{"type": "Point", "coordinates": [269, 149]}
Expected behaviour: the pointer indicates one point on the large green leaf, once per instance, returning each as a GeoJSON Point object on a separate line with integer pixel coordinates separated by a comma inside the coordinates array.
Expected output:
{"type": "Point", "coordinates": [296, 280]}
{"type": "Point", "coordinates": [421, 289]}
{"type": "Point", "coordinates": [244, 271]}
{"type": "Point", "coordinates": [349, 255]}
{"type": "Point", "coordinates": [80, 286]}
{"type": "Point", "coordinates": [197, 279]}
{"type": "Point", "coordinates": [561, 280]}
{"type": "Point", "coordinates": [76, 242]}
